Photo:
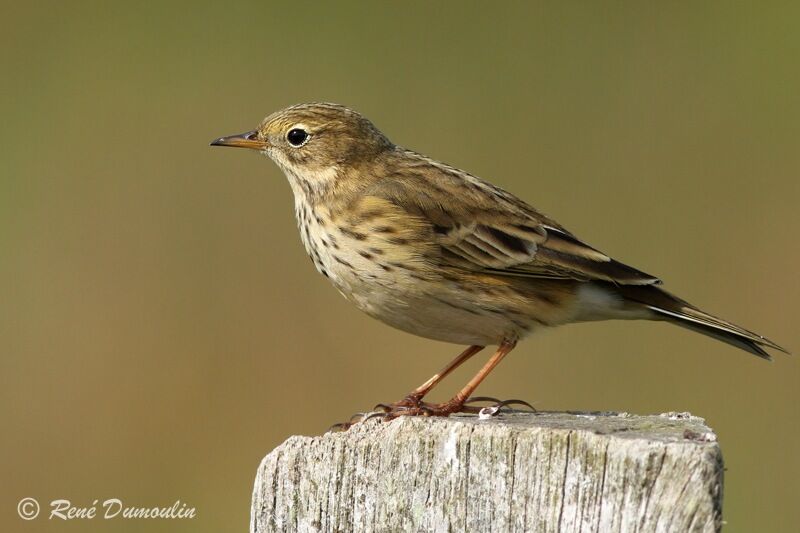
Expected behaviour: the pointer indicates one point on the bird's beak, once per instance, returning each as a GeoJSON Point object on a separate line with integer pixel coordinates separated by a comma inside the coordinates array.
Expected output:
{"type": "Point", "coordinates": [243, 140]}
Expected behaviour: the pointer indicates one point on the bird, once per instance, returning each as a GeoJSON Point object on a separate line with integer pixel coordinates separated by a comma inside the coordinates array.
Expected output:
{"type": "Point", "coordinates": [440, 253]}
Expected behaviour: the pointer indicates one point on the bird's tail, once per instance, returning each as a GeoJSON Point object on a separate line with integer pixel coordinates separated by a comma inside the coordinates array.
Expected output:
{"type": "Point", "coordinates": [673, 309]}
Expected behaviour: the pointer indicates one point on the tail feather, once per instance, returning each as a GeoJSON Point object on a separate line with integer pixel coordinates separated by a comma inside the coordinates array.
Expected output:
{"type": "Point", "coordinates": [682, 313]}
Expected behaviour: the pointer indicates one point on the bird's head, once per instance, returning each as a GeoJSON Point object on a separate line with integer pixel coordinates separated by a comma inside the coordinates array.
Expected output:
{"type": "Point", "coordinates": [313, 142]}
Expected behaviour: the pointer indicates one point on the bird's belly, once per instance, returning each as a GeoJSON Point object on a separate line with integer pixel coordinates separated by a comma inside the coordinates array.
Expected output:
{"type": "Point", "coordinates": [420, 307]}
{"type": "Point", "coordinates": [411, 308]}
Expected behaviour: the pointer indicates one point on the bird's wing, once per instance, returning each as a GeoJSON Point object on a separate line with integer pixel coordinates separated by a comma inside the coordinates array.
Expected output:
{"type": "Point", "coordinates": [477, 226]}
{"type": "Point", "coordinates": [512, 246]}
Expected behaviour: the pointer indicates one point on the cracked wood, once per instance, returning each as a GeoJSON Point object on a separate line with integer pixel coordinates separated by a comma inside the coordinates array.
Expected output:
{"type": "Point", "coordinates": [516, 472]}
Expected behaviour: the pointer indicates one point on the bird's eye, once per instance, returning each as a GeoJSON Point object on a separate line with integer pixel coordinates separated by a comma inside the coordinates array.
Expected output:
{"type": "Point", "coordinates": [297, 137]}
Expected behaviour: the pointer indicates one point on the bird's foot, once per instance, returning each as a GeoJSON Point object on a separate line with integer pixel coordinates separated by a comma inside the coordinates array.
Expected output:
{"type": "Point", "coordinates": [415, 407]}
{"type": "Point", "coordinates": [412, 405]}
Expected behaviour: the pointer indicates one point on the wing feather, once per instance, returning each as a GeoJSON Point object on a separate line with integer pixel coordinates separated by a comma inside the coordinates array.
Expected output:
{"type": "Point", "coordinates": [480, 227]}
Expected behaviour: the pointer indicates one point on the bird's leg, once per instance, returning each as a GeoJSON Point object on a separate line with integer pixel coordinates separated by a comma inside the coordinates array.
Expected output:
{"type": "Point", "coordinates": [414, 397]}
{"type": "Point", "coordinates": [456, 404]}
{"type": "Point", "coordinates": [420, 392]}
{"type": "Point", "coordinates": [413, 400]}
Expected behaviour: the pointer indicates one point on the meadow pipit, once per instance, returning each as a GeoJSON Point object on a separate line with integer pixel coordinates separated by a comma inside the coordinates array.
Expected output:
{"type": "Point", "coordinates": [434, 251]}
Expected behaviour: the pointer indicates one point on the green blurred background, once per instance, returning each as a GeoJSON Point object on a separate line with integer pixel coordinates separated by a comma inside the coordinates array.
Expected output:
{"type": "Point", "coordinates": [162, 329]}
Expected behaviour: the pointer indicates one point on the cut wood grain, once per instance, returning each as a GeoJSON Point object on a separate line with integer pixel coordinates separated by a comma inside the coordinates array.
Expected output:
{"type": "Point", "coordinates": [599, 472]}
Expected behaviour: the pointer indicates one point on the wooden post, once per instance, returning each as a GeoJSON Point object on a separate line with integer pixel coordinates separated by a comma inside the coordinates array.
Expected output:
{"type": "Point", "coordinates": [606, 472]}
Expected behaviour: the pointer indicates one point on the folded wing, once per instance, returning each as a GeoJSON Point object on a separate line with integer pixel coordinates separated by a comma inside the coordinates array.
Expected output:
{"type": "Point", "coordinates": [478, 226]}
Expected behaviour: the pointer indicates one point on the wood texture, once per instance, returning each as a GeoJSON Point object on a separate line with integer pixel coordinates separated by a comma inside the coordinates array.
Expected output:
{"type": "Point", "coordinates": [603, 472]}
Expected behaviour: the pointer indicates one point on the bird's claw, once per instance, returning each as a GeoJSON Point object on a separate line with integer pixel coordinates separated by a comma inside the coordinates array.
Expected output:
{"type": "Point", "coordinates": [355, 419]}
{"type": "Point", "coordinates": [491, 410]}
{"type": "Point", "coordinates": [339, 427]}
{"type": "Point", "coordinates": [474, 399]}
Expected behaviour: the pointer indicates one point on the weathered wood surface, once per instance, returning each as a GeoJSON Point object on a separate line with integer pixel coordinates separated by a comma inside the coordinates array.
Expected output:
{"type": "Point", "coordinates": [599, 472]}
